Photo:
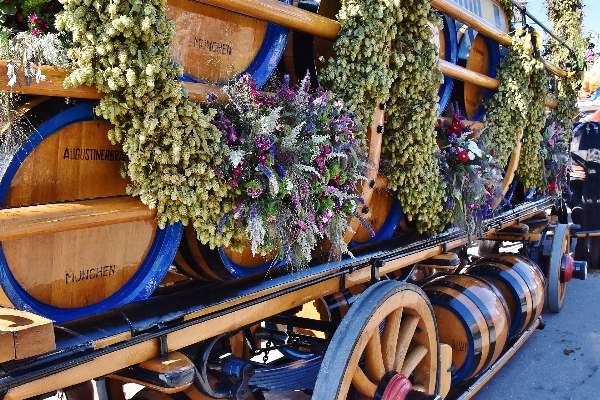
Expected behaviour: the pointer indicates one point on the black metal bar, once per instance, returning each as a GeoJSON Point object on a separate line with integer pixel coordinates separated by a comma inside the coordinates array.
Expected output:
{"type": "Point", "coordinates": [547, 30]}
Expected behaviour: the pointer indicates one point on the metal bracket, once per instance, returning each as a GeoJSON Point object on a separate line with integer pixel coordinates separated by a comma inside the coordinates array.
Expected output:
{"type": "Point", "coordinates": [342, 281]}
{"type": "Point", "coordinates": [163, 346]}
{"type": "Point", "coordinates": [375, 265]}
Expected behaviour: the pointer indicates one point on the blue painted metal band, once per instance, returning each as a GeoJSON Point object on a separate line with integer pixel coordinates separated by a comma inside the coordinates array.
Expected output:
{"type": "Point", "coordinates": [451, 52]}
{"type": "Point", "coordinates": [389, 226]}
{"type": "Point", "coordinates": [238, 271]}
{"type": "Point", "coordinates": [485, 311]}
{"type": "Point", "coordinates": [142, 283]}
{"type": "Point", "coordinates": [467, 320]}
{"type": "Point", "coordinates": [516, 290]}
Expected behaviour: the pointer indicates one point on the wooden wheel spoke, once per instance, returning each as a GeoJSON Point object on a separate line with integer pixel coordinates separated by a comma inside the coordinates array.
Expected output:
{"type": "Point", "coordinates": [413, 359]}
{"type": "Point", "coordinates": [389, 340]}
{"type": "Point", "coordinates": [374, 368]}
{"type": "Point", "coordinates": [407, 331]}
{"type": "Point", "coordinates": [363, 384]}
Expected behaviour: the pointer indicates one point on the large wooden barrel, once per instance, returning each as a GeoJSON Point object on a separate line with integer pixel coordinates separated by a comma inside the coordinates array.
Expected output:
{"type": "Point", "coordinates": [200, 262]}
{"type": "Point", "coordinates": [215, 45]}
{"type": "Point", "coordinates": [480, 54]}
{"type": "Point", "coordinates": [65, 155]}
{"type": "Point", "coordinates": [522, 283]}
{"type": "Point", "coordinates": [472, 318]}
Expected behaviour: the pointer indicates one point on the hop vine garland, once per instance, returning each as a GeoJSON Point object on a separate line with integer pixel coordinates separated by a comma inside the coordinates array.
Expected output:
{"type": "Point", "coordinates": [360, 72]}
{"type": "Point", "coordinates": [410, 140]}
{"type": "Point", "coordinates": [531, 160]}
{"type": "Point", "coordinates": [122, 47]}
{"type": "Point", "coordinates": [513, 107]}
{"type": "Point", "coordinates": [567, 19]}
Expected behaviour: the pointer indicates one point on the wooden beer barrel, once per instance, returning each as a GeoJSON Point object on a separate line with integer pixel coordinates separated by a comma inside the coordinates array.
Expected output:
{"type": "Point", "coordinates": [479, 54]}
{"type": "Point", "coordinates": [522, 283]}
{"type": "Point", "coordinates": [66, 156]}
{"type": "Point", "coordinates": [472, 318]}
{"type": "Point", "coordinates": [215, 45]}
{"type": "Point", "coordinates": [200, 262]}
{"type": "Point", "coordinates": [383, 215]}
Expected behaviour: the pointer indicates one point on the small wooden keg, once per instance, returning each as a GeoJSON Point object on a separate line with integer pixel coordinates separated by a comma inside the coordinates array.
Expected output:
{"type": "Point", "coordinates": [522, 283]}
{"type": "Point", "coordinates": [472, 318]}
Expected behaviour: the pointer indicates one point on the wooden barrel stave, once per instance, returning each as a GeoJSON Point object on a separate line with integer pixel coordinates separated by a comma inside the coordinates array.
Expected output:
{"type": "Point", "coordinates": [472, 319]}
{"type": "Point", "coordinates": [522, 283]}
{"type": "Point", "coordinates": [477, 53]}
{"type": "Point", "coordinates": [214, 45]}
{"type": "Point", "coordinates": [66, 156]}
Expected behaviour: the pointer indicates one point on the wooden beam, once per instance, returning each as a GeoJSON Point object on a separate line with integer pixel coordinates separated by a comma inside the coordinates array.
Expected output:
{"type": "Point", "coordinates": [466, 75]}
{"type": "Point", "coordinates": [282, 14]}
{"type": "Point", "coordinates": [17, 223]}
{"type": "Point", "coordinates": [475, 78]}
{"type": "Point", "coordinates": [53, 86]}
{"type": "Point", "coordinates": [480, 25]}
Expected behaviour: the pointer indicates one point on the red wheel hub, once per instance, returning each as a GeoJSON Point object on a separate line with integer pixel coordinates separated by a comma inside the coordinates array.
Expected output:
{"type": "Point", "coordinates": [566, 268]}
{"type": "Point", "coordinates": [397, 389]}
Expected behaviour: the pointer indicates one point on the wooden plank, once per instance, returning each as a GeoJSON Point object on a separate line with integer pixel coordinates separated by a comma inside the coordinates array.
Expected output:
{"type": "Point", "coordinates": [282, 14]}
{"type": "Point", "coordinates": [21, 222]}
{"type": "Point", "coordinates": [465, 16]}
{"type": "Point", "coordinates": [53, 86]}
{"type": "Point", "coordinates": [475, 78]}
{"type": "Point", "coordinates": [23, 334]}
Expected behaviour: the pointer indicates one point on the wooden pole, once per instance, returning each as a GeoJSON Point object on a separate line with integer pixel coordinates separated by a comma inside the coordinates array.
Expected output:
{"type": "Point", "coordinates": [53, 86]}
{"type": "Point", "coordinates": [465, 16]}
{"type": "Point", "coordinates": [282, 14]}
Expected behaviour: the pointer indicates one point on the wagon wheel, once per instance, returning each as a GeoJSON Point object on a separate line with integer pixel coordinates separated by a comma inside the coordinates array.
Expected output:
{"type": "Point", "coordinates": [557, 284]}
{"type": "Point", "coordinates": [388, 334]}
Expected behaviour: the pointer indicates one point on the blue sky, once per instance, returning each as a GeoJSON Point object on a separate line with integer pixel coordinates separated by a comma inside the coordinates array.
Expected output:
{"type": "Point", "coordinates": [591, 13]}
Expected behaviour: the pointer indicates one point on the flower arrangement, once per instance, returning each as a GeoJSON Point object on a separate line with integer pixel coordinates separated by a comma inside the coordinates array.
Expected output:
{"type": "Point", "coordinates": [293, 163]}
{"type": "Point", "coordinates": [30, 38]}
{"type": "Point", "coordinates": [555, 153]}
{"type": "Point", "coordinates": [472, 176]}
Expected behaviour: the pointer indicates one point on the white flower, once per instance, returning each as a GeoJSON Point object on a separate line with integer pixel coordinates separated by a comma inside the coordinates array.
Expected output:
{"type": "Point", "coordinates": [236, 157]}
{"type": "Point", "coordinates": [474, 149]}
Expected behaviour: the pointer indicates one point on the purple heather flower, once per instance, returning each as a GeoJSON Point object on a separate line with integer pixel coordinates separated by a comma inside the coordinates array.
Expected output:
{"type": "Point", "coordinates": [32, 18]}
{"type": "Point", "coordinates": [211, 97]}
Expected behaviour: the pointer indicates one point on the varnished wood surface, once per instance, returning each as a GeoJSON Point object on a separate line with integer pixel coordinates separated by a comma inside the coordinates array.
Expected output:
{"type": "Point", "coordinates": [525, 278]}
{"type": "Point", "coordinates": [478, 61]}
{"type": "Point", "coordinates": [491, 321]}
{"type": "Point", "coordinates": [53, 86]}
{"type": "Point", "coordinates": [21, 222]}
{"type": "Point", "coordinates": [23, 334]}
{"type": "Point", "coordinates": [73, 254]}
{"type": "Point", "coordinates": [282, 14]}
{"type": "Point", "coordinates": [213, 44]}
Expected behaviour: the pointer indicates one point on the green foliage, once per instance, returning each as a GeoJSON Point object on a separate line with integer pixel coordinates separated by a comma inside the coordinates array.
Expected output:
{"type": "Point", "coordinates": [410, 140]}
{"type": "Point", "coordinates": [567, 19]}
{"type": "Point", "coordinates": [519, 106]}
{"type": "Point", "coordinates": [122, 47]}
{"type": "Point", "coordinates": [360, 72]}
